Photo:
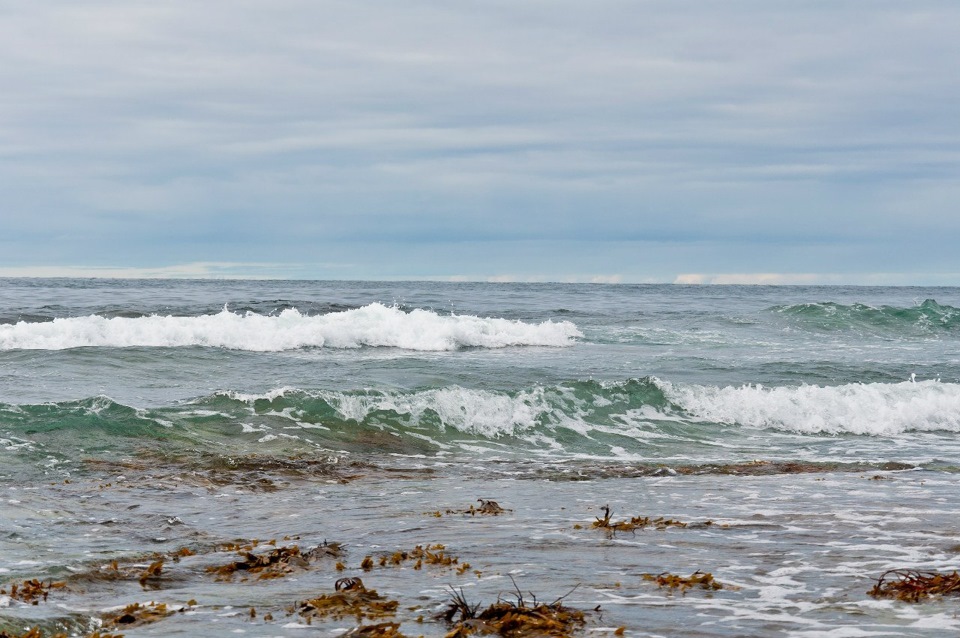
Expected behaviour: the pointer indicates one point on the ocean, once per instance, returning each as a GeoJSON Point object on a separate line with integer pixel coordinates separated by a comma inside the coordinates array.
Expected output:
{"type": "Point", "coordinates": [183, 458]}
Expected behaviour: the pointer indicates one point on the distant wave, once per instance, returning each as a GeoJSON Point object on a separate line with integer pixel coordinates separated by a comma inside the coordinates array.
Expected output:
{"type": "Point", "coordinates": [926, 317]}
{"type": "Point", "coordinates": [371, 325]}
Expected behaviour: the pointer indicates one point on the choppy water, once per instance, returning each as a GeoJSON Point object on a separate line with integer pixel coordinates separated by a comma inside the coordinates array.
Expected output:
{"type": "Point", "coordinates": [816, 429]}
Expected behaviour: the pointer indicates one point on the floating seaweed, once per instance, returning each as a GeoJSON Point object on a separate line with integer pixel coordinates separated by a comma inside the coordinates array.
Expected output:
{"type": "Point", "coordinates": [422, 555]}
{"type": "Point", "coordinates": [150, 578]}
{"type": "Point", "coordinates": [380, 630]}
{"type": "Point", "coordinates": [31, 591]}
{"type": "Point", "coordinates": [274, 564]}
{"type": "Point", "coordinates": [350, 598]}
{"type": "Point", "coordinates": [517, 619]}
{"type": "Point", "coordinates": [635, 523]}
{"type": "Point", "coordinates": [137, 614]}
{"type": "Point", "coordinates": [913, 586]}
{"type": "Point", "coordinates": [487, 506]}
{"type": "Point", "coordinates": [703, 580]}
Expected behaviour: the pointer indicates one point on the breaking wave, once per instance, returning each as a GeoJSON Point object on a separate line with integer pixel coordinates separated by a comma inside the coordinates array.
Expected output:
{"type": "Point", "coordinates": [638, 418]}
{"type": "Point", "coordinates": [371, 325]}
{"type": "Point", "coordinates": [883, 409]}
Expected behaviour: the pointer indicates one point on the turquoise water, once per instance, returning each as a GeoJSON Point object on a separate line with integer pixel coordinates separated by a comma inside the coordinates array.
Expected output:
{"type": "Point", "coordinates": [816, 426]}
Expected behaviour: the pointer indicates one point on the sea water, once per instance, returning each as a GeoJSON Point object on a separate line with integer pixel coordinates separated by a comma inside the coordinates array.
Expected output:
{"type": "Point", "coordinates": [807, 436]}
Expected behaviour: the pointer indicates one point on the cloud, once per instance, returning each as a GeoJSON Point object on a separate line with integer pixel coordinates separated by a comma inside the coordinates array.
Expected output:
{"type": "Point", "coordinates": [295, 131]}
{"type": "Point", "coordinates": [819, 279]}
{"type": "Point", "coordinates": [198, 270]}
{"type": "Point", "coordinates": [759, 279]}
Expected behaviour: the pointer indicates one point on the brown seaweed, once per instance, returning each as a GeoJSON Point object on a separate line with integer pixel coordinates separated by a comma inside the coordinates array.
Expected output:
{"type": "Point", "coordinates": [351, 598]}
{"type": "Point", "coordinates": [137, 614]}
{"type": "Point", "coordinates": [698, 579]}
{"type": "Point", "coordinates": [31, 591]}
{"type": "Point", "coordinates": [518, 619]}
{"type": "Point", "coordinates": [434, 555]}
{"type": "Point", "coordinates": [635, 523]}
{"type": "Point", "coordinates": [379, 630]}
{"type": "Point", "coordinates": [276, 563]}
{"type": "Point", "coordinates": [912, 586]}
{"type": "Point", "coordinates": [487, 507]}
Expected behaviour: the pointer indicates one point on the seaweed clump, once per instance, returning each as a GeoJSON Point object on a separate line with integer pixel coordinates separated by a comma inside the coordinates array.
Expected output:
{"type": "Point", "coordinates": [350, 598]}
{"type": "Point", "coordinates": [276, 563]}
{"type": "Point", "coordinates": [487, 507]}
{"type": "Point", "coordinates": [379, 630]}
{"type": "Point", "coordinates": [703, 580]}
{"type": "Point", "coordinates": [635, 522]}
{"type": "Point", "coordinates": [912, 586]}
{"type": "Point", "coordinates": [423, 555]}
{"type": "Point", "coordinates": [518, 619]}
{"type": "Point", "coordinates": [31, 591]}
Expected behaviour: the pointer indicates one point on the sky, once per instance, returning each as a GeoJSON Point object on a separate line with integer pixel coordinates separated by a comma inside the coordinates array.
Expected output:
{"type": "Point", "coordinates": [690, 141]}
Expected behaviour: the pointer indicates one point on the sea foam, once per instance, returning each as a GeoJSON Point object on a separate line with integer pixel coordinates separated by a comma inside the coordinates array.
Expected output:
{"type": "Point", "coordinates": [371, 325]}
{"type": "Point", "coordinates": [883, 409]}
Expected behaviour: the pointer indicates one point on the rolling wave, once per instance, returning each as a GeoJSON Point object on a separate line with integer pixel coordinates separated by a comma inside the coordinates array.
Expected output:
{"type": "Point", "coordinates": [371, 325]}
{"type": "Point", "coordinates": [629, 418]}
{"type": "Point", "coordinates": [927, 317]}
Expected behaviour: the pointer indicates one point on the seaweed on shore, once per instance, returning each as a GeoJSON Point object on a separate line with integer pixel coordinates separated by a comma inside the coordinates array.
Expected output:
{"type": "Point", "coordinates": [912, 586]}
{"type": "Point", "coordinates": [519, 619]}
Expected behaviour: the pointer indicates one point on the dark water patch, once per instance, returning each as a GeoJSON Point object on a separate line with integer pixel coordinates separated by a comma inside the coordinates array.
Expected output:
{"type": "Point", "coordinates": [249, 473]}
{"type": "Point", "coordinates": [587, 471]}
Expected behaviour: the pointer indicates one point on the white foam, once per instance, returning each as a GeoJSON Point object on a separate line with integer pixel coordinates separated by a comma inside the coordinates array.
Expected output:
{"type": "Point", "coordinates": [371, 325]}
{"type": "Point", "coordinates": [861, 408]}
{"type": "Point", "coordinates": [475, 411]}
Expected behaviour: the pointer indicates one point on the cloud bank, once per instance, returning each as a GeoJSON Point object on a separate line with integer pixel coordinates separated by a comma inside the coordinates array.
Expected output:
{"type": "Point", "coordinates": [430, 139]}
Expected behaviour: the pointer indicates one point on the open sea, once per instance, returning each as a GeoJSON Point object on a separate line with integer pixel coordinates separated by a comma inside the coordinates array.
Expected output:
{"type": "Point", "coordinates": [158, 438]}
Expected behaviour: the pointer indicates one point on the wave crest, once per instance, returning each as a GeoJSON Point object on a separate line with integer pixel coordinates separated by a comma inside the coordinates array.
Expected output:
{"type": "Point", "coordinates": [371, 325]}
{"type": "Point", "coordinates": [881, 409]}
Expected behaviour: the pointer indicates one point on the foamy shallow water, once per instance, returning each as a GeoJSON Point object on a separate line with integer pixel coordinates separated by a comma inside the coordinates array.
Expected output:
{"type": "Point", "coordinates": [797, 553]}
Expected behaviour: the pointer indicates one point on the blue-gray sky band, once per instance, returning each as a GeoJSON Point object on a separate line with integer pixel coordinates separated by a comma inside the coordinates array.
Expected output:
{"type": "Point", "coordinates": [752, 140]}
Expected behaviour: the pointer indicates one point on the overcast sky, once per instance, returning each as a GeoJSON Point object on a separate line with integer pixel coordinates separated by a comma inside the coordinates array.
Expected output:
{"type": "Point", "coordinates": [696, 141]}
